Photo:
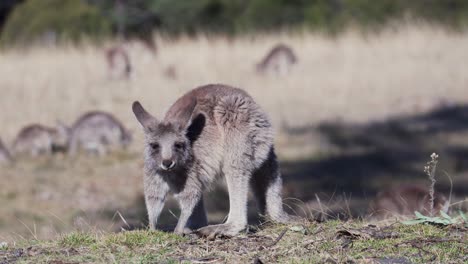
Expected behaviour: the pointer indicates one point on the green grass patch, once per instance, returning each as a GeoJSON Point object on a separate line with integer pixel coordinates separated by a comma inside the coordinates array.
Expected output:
{"type": "Point", "coordinates": [77, 239]}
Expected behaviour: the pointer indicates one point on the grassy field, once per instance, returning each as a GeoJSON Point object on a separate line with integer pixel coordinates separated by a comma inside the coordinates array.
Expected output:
{"type": "Point", "coordinates": [330, 242]}
{"type": "Point", "coordinates": [357, 114]}
{"type": "Point", "coordinates": [352, 77]}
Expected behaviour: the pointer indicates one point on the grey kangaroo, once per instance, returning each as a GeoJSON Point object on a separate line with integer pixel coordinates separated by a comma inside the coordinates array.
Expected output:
{"type": "Point", "coordinates": [211, 131]}
{"type": "Point", "coordinates": [278, 61]}
{"type": "Point", "coordinates": [97, 132]}
{"type": "Point", "coordinates": [36, 139]}
{"type": "Point", "coordinates": [118, 62]}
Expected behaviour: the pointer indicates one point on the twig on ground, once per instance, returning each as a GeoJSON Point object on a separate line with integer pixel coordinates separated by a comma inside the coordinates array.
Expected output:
{"type": "Point", "coordinates": [123, 219]}
{"type": "Point", "coordinates": [278, 238]}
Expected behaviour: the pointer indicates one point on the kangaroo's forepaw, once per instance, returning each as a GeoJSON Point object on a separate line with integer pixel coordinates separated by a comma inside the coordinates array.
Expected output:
{"type": "Point", "coordinates": [222, 230]}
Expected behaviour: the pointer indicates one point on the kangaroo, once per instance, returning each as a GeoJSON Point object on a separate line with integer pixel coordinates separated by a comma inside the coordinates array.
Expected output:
{"type": "Point", "coordinates": [5, 156]}
{"type": "Point", "coordinates": [212, 130]}
{"type": "Point", "coordinates": [96, 132]}
{"type": "Point", "coordinates": [36, 139]}
{"type": "Point", "coordinates": [405, 200]}
{"type": "Point", "coordinates": [118, 62]}
{"type": "Point", "coordinates": [278, 61]}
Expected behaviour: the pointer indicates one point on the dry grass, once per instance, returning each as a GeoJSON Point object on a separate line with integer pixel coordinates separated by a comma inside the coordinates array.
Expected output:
{"type": "Point", "coordinates": [351, 77]}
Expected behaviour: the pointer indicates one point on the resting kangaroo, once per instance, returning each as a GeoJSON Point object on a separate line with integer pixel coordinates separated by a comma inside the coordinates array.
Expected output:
{"type": "Point", "coordinates": [211, 131]}
{"type": "Point", "coordinates": [405, 200]}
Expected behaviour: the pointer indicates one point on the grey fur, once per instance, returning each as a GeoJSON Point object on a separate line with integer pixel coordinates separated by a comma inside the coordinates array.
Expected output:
{"type": "Point", "coordinates": [405, 200]}
{"type": "Point", "coordinates": [36, 139]}
{"type": "Point", "coordinates": [98, 132]}
{"type": "Point", "coordinates": [5, 156]}
{"type": "Point", "coordinates": [278, 61]}
{"type": "Point", "coordinates": [211, 131]}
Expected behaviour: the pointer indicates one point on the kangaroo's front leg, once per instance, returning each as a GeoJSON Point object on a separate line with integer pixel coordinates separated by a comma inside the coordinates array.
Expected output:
{"type": "Point", "coordinates": [155, 195]}
{"type": "Point", "coordinates": [188, 200]}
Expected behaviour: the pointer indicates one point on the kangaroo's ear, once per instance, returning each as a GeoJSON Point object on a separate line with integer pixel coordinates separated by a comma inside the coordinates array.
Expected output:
{"type": "Point", "coordinates": [195, 128]}
{"type": "Point", "coordinates": [182, 115]}
{"type": "Point", "coordinates": [145, 118]}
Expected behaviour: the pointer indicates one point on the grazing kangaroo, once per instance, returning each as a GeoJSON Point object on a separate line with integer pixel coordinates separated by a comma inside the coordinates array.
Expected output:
{"type": "Point", "coordinates": [278, 61]}
{"type": "Point", "coordinates": [97, 132]}
{"type": "Point", "coordinates": [405, 200]}
{"type": "Point", "coordinates": [36, 139]}
{"type": "Point", "coordinates": [118, 62]}
{"type": "Point", "coordinates": [211, 131]}
{"type": "Point", "coordinates": [5, 156]}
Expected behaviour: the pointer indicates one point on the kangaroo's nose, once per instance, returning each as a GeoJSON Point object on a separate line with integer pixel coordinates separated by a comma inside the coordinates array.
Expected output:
{"type": "Point", "coordinates": [167, 164]}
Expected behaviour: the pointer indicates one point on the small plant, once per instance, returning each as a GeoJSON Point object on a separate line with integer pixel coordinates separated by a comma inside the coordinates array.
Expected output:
{"type": "Point", "coordinates": [443, 219]}
{"type": "Point", "coordinates": [430, 170]}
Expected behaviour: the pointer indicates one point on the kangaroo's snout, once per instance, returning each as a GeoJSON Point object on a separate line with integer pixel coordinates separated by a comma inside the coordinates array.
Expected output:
{"type": "Point", "coordinates": [167, 164]}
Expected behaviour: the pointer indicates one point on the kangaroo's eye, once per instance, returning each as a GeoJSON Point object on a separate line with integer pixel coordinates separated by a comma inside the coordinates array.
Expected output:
{"type": "Point", "coordinates": [154, 146]}
{"type": "Point", "coordinates": [179, 145]}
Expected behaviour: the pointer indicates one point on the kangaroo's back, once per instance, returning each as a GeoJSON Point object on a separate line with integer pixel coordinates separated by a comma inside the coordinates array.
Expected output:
{"type": "Point", "coordinates": [97, 118]}
{"type": "Point", "coordinates": [278, 60]}
{"type": "Point", "coordinates": [34, 139]}
{"type": "Point", "coordinates": [232, 117]}
{"type": "Point", "coordinates": [220, 104]}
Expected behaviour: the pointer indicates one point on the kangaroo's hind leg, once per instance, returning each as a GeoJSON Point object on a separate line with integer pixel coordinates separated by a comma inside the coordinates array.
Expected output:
{"type": "Point", "coordinates": [267, 185]}
{"type": "Point", "coordinates": [237, 169]}
{"type": "Point", "coordinates": [238, 186]}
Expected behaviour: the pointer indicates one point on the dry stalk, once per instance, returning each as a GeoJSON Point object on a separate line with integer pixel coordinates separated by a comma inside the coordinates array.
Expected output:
{"type": "Point", "coordinates": [430, 171]}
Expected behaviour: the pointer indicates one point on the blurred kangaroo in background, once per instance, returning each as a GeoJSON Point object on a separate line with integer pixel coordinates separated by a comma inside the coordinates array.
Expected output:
{"type": "Point", "coordinates": [278, 61]}
{"type": "Point", "coordinates": [405, 200]}
{"type": "Point", "coordinates": [97, 132]}
{"type": "Point", "coordinates": [211, 131]}
{"type": "Point", "coordinates": [36, 139]}
{"type": "Point", "coordinates": [5, 156]}
{"type": "Point", "coordinates": [118, 62]}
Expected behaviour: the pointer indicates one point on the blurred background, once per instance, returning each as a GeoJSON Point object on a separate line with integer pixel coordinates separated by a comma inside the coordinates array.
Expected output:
{"type": "Point", "coordinates": [360, 93]}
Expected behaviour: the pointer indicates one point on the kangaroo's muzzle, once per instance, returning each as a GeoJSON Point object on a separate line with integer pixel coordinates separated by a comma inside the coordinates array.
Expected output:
{"type": "Point", "coordinates": [167, 164]}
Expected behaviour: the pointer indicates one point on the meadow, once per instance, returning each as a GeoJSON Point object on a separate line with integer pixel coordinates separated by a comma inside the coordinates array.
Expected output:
{"type": "Point", "coordinates": [359, 112]}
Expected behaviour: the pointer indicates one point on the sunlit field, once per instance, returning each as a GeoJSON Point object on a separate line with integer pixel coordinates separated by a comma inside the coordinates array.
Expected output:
{"type": "Point", "coordinates": [350, 80]}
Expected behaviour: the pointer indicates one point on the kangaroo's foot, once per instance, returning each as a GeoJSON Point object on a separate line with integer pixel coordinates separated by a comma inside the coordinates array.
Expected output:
{"type": "Point", "coordinates": [226, 230]}
{"type": "Point", "coordinates": [184, 231]}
